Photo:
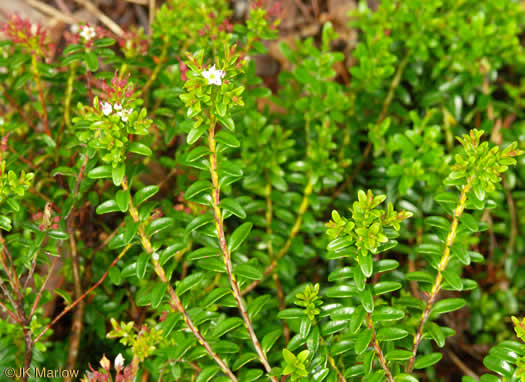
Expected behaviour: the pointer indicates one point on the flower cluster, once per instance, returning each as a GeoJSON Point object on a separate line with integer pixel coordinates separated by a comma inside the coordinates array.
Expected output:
{"type": "Point", "coordinates": [124, 374]}
{"type": "Point", "coordinates": [108, 108]}
{"type": "Point", "coordinates": [86, 32]}
{"type": "Point", "coordinates": [46, 220]}
{"type": "Point", "coordinates": [117, 98]}
{"type": "Point", "coordinates": [32, 37]}
{"type": "Point", "coordinates": [115, 113]}
{"type": "Point", "coordinates": [213, 76]}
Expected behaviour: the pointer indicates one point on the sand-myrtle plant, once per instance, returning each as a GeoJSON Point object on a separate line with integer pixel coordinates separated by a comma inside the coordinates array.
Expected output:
{"type": "Point", "coordinates": [167, 213]}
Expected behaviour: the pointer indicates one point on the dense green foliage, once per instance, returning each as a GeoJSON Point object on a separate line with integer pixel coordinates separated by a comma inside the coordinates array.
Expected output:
{"type": "Point", "coordinates": [160, 203]}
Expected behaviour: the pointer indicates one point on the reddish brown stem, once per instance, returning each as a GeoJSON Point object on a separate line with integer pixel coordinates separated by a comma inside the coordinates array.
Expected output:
{"type": "Point", "coordinates": [84, 295]}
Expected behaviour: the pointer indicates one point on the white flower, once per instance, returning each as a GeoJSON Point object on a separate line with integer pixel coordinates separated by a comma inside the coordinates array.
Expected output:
{"type": "Point", "coordinates": [34, 28]}
{"type": "Point", "coordinates": [107, 108]}
{"type": "Point", "coordinates": [2, 121]}
{"type": "Point", "coordinates": [117, 106]}
{"type": "Point", "coordinates": [214, 76]}
{"type": "Point", "coordinates": [119, 362]}
{"type": "Point", "coordinates": [124, 113]}
{"type": "Point", "coordinates": [155, 256]}
{"type": "Point", "coordinates": [87, 33]}
{"type": "Point", "coordinates": [75, 28]}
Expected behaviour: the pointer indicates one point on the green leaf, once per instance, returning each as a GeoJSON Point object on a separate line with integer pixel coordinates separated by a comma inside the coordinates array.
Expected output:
{"type": "Point", "coordinates": [226, 326]}
{"type": "Point", "coordinates": [140, 148]}
{"type": "Point", "coordinates": [103, 42]}
{"type": "Point", "coordinates": [320, 375]}
{"type": "Point", "coordinates": [359, 279]}
{"type": "Point", "coordinates": [238, 236]}
{"type": "Point", "coordinates": [107, 207]}
{"type": "Point", "coordinates": [452, 278]}
{"type": "Point", "coordinates": [357, 319]}
{"type": "Point", "coordinates": [169, 323]}
{"type": "Point", "coordinates": [341, 291]}
{"type": "Point", "coordinates": [142, 265]}
{"type": "Point", "coordinates": [291, 314]}
{"type": "Point", "coordinates": [233, 206]}
{"type": "Point", "coordinates": [385, 265]}
{"type": "Point", "coordinates": [203, 253]}
{"type": "Point", "coordinates": [436, 333]}
{"type": "Point", "coordinates": [5, 223]}
{"type": "Point", "coordinates": [391, 334]}
{"type": "Point", "coordinates": [65, 171]}
{"type": "Point", "coordinates": [448, 305]}
{"type": "Point", "coordinates": [398, 355]}
{"type": "Point", "coordinates": [159, 225]}
{"type": "Point", "coordinates": [367, 300]}
{"type": "Point", "coordinates": [189, 282]}
{"type": "Point", "coordinates": [118, 174]}
{"type": "Point", "coordinates": [248, 271]}
{"type": "Point", "coordinates": [207, 374]}
{"type": "Point", "coordinates": [144, 194]}
{"type": "Point", "coordinates": [255, 306]}
{"type": "Point", "coordinates": [362, 341]}
{"type": "Point", "coordinates": [270, 339]}
{"type": "Point", "coordinates": [405, 378]}
{"type": "Point", "coordinates": [387, 313]}
{"type": "Point", "coordinates": [91, 61]}
{"type": "Point", "coordinates": [386, 287]}
{"type": "Point", "coordinates": [427, 360]}
{"type": "Point", "coordinates": [100, 172]}
{"type": "Point", "coordinates": [227, 122]}
{"type": "Point", "coordinates": [439, 222]}
{"type": "Point", "coordinates": [197, 153]}
{"type": "Point", "coordinates": [498, 365]}
{"type": "Point", "coordinates": [227, 139]}
{"type": "Point", "coordinates": [59, 235]}
{"type": "Point", "coordinates": [469, 222]}
{"type": "Point", "coordinates": [198, 222]}
{"type": "Point", "coordinates": [366, 263]}
{"type": "Point", "coordinates": [158, 292]}
{"type": "Point", "coordinates": [62, 293]}
{"type": "Point", "coordinates": [243, 360]}
{"type": "Point", "coordinates": [197, 188]}
{"type": "Point", "coordinates": [420, 276]}
{"type": "Point", "coordinates": [115, 276]}
{"type": "Point", "coordinates": [122, 199]}
{"type": "Point", "coordinates": [446, 199]}
{"type": "Point", "coordinates": [195, 133]}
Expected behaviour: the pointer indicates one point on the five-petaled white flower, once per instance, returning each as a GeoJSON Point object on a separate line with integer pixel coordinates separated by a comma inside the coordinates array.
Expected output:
{"type": "Point", "coordinates": [107, 108]}
{"type": "Point", "coordinates": [117, 106]}
{"type": "Point", "coordinates": [214, 76]}
{"type": "Point", "coordinates": [87, 33]}
{"type": "Point", "coordinates": [119, 362]}
{"type": "Point", "coordinates": [124, 113]}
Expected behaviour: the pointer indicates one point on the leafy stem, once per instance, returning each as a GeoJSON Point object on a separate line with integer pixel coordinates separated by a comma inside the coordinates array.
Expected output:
{"type": "Point", "coordinates": [445, 258]}
{"type": "Point", "coordinates": [176, 304]}
{"type": "Point", "coordinates": [377, 348]}
{"type": "Point", "coordinates": [226, 255]}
